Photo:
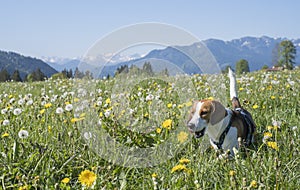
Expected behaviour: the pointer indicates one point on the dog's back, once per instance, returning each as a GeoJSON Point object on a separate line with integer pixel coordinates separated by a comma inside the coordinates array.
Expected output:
{"type": "Point", "coordinates": [241, 115]}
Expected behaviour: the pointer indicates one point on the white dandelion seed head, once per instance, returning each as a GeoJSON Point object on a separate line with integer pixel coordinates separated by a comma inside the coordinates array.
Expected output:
{"type": "Point", "coordinates": [29, 102]}
{"type": "Point", "coordinates": [276, 123]}
{"type": "Point", "coordinates": [21, 102]}
{"type": "Point", "coordinates": [99, 103]}
{"type": "Point", "coordinates": [59, 110]}
{"type": "Point", "coordinates": [149, 97]}
{"type": "Point", "coordinates": [69, 107]}
{"type": "Point", "coordinates": [131, 111]}
{"type": "Point", "coordinates": [23, 134]}
{"type": "Point", "coordinates": [4, 111]}
{"type": "Point", "coordinates": [5, 122]}
{"type": "Point", "coordinates": [107, 113]}
{"type": "Point", "coordinates": [12, 100]}
{"type": "Point", "coordinates": [292, 83]}
{"type": "Point", "coordinates": [294, 128]}
{"type": "Point", "coordinates": [87, 135]}
{"type": "Point", "coordinates": [17, 111]}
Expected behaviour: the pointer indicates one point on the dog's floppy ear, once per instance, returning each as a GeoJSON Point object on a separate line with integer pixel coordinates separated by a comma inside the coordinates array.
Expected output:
{"type": "Point", "coordinates": [218, 112]}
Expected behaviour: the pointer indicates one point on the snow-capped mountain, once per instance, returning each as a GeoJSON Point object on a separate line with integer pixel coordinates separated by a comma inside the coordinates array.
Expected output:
{"type": "Point", "coordinates": [258, 51]}
{"type": "Point", "coordinates": [60, 63]}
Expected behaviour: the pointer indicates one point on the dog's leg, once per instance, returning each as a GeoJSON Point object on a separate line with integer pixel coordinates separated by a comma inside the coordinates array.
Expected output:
{"type": "Point", "coordinates": [233, 92]}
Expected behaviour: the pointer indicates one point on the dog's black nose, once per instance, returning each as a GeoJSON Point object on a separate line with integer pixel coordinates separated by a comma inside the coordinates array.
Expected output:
{"type": "Point", "coordinates": [191, 125]}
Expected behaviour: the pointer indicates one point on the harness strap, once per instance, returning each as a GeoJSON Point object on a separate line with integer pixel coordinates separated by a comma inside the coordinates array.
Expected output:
{"type": "Point", "coordinates": [248, 123]}
{"type": "Point", "coordinates": [223, 135]}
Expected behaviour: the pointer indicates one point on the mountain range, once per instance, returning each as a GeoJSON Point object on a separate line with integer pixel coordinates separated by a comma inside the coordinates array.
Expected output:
{"type": "Point", "coordinates": [258, 51]}
{"type": "Point", "coordinates": [12, 61]}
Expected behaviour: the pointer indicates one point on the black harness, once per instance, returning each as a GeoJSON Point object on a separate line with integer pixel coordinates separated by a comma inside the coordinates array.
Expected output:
{"type": "Point", "coordinates": [247, 121]}
{"type": "Point", "coordinates": [223, 135]}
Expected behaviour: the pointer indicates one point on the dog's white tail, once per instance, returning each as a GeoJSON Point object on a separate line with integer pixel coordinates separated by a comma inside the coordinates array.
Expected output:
{"type": "Point", "coordinates": [233, 91]}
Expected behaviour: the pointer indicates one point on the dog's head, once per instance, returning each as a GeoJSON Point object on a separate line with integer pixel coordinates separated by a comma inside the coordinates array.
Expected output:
{"type": "Point", "coordinates": [203, 114]}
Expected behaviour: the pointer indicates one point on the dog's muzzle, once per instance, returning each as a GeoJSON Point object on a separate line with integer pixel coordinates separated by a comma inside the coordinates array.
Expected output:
{"type": "Point", "coordinates": [199, 134]}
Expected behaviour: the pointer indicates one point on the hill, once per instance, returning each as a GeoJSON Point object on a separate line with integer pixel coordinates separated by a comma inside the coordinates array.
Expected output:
{"type": "Point", "coordinates": [13, 61]}
{"type": "Point", "coordinates": [256, 50]}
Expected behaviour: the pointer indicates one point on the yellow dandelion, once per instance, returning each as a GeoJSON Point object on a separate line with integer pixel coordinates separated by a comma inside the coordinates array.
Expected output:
{"type": "Point", "coordinates": [210, 98]}
{"type": "Point", "coordinates": [146, 115]}
{"type": "Point", "coordinates": [273, 97]}
{"type": "Point", "coordinates": [253, 184]}
{"type": "Point", "coordinates": [273, 145]}
{"type": "Point", "coordinates": [255, 106]}
{"type": "Point", "coordinates": [169, 105]}
{"type": "Point", "coordinates": [48, 105]}
{"type": "Point", "coordinates": [241, 89]}
{"type": "Point", "coordinates": [188, 104]}
{"type": "Point", "coordinates": [269, 87]}
{"type": "Point", "coordinates": [178, 168]}
{"type": "Point", "coordinates": [87, 178]}
{"type": "Point", "coordinates": [180, 106]}
{"type": "Point", "coordinates": [269, 127]}
{"type": "Point", "coordinates": [49, 129]}
{"type": "Point", "coordinates": [232, 173]}
{"type": "Point", "coordinates": [108, 101]}
{"type": "Point", "coordinates": [184, 161]}
{"type": "Point", "coordinates": [74, 120]}
{"type": "Point", "coordinates": [67, 103]}
{"type": "Point", "coordinates": [82, 115]}
{"type": "Point", "coordinates": [5, 135]}
{"type": "Point", "coordinates": [158, 130]}
{"type": "Point", "coordinates": [42, 111]}
{"type": "Point", "coordinates": [76, 100]}
{"type": "Point", "coordinates": [65, 180]}
{"type": "Point", "coordinates": [154, 175]}
{"type": "Point", "coordinates": [25, 187]}
{"type": "Point", "coordinates": [101, 114]}
{"type": "Point", "coordinates": [267, 134]}
{"type": "Point", "coordinates": [167, 124]}
{"type": "Point", "coordinates": [182, 137]}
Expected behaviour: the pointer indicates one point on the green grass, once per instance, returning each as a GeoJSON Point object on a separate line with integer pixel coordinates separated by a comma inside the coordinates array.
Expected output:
{"type": "Point", "coordinates": [56, 147]}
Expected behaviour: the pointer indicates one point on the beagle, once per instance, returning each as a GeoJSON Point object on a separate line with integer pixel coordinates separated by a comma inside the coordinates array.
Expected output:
{"type": "Point", "coordinates": [226, 128]}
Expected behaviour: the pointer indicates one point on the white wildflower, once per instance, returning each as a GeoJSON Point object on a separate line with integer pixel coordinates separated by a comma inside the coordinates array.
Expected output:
{"type": "Point", "coordinates": [5, 122]}
{"type": "Point", "coordinates": [4, 111]}
{"type": "Point", "coordinates": [107, 113]}
{"type": "Point", "coordinates": [29, 102]}
{"type": "Point", "coordinates": [87, 135]}
{"type": "Point", "coordinates": [21, 102]}
{"type": "Point", "coordinates": [69, 107]}
{"type": "Point", "coordinates": [23, 134]}
{"type": "Point", "coordinates": [149, 97]}
{"type": "Point", "coordinates": [17, 111]}
{"type": "Point", "coordinates": [59, 110]}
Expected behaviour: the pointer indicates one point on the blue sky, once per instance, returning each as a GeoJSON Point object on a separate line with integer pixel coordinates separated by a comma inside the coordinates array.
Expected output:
{"type": "Point", "coordinates": [68, 28]}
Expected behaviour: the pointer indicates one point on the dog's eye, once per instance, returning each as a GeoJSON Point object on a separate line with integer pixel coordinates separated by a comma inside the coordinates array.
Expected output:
{"type": "Point", "coordinates": [203, 112]}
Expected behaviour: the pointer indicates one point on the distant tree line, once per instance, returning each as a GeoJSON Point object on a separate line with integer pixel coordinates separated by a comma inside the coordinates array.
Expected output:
{"type": "Point", "coordinates": [70, 74]}
{"type": "Point", "coordinates": [146, 69]}
{"type": "Point", "coordinates": [36, 75]}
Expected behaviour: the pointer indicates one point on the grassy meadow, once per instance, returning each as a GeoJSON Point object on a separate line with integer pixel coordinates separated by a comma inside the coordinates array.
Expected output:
{"type": "Point", "coordinates": [47, 142]}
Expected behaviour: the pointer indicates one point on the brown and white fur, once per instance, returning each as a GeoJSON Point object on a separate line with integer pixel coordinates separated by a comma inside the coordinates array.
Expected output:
{"type": "Point", "coordinates": [212, 118]}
